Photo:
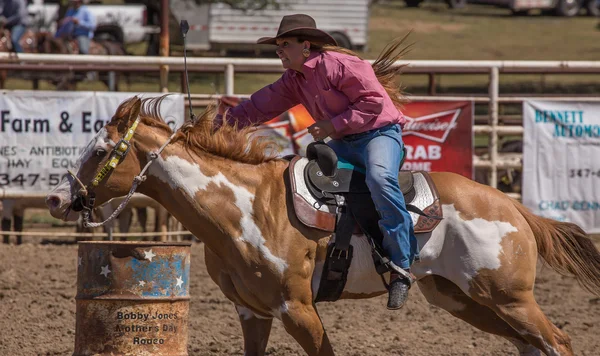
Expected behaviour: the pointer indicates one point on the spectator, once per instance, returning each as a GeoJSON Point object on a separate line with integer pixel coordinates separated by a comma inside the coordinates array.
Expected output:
{"type": "Point", "coordinates": [14, 17]}
{"type": "Point", "coordinates": [79, 23]}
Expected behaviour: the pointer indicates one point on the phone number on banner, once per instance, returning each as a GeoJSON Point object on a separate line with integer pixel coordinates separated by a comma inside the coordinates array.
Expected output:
{"type": "Point", "coordinates": [584, 173]}
{"type": "Point", "coordinates": [30, 179]}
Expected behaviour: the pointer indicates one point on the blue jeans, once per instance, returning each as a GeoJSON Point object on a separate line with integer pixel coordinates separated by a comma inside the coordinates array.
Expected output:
{"type": "Point", "coordinates": [84, 44]}
{"type": "Point", "coordinates": [379, 152]}
{"type": "Point", "coordinates": [16, 32]}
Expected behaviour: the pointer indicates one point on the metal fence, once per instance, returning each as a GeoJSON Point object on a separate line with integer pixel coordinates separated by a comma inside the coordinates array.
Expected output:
{"type": "Point", "coordinates": [492, 124]}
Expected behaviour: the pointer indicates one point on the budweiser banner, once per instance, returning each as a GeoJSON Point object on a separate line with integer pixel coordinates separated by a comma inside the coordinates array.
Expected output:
{"type": "Point", "coordinates": [438, 135]}
{"type": "Point", "coordinates": [561, 164]}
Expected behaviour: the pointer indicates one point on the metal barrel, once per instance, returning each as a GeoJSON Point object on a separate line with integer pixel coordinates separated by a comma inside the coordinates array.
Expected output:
{"type": "Point", "coordinates": [132, 298]}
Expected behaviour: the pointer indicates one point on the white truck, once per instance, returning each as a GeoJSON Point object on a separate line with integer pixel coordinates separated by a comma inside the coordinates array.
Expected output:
{"type": "Point", "coordinates": [220, 27]}
{"type": "Point", "coordinates": [123, 23]}
{"type": "Point", "coordinates": [566, 8]}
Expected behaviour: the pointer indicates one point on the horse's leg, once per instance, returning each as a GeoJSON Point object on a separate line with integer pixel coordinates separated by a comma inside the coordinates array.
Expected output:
{"type": "Point", "coordinates": [484, 225]}
{"type": "Point", "coordinates": [508, 291]}
{"type": "Point", "coordinates": [520, 310]}
{"type": "Point", "coordinates": [161, 217]}
{"type": "Point", "coordinates": [6, 227]}
{"type": "Point", "coordinates": [256, 331]}
{"type": "Point", "coordinates": [3, 75]}
{"type": "Point", "coordinates": [142, 215]}
{"type": "Point", "coordinates": [18, 225]}
{"type": "Point", "coordinates": [125, 218]}
{"type": "Point", "coordinates": [301, 320]}
{"type": "Point", "coordinates": [8, 206]}
{"type": "Point", "coordinates": [444, 294]}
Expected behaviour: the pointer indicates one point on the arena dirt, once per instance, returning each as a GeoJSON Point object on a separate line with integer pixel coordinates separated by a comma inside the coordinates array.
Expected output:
{"type": "Point", "coordinates": [37, 314]}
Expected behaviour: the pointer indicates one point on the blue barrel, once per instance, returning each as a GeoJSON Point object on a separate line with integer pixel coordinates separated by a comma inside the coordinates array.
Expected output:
{"type": "Point", "coordinates": [132, 298]}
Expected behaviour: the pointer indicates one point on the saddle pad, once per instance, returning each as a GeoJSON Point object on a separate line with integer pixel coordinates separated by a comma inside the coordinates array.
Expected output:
{"type": "Point", "coordinates": [311, 212]}
{"type": "Point", "coordinates": [308, 209]}
{"type": "Point", "coordinates": [427, 199]}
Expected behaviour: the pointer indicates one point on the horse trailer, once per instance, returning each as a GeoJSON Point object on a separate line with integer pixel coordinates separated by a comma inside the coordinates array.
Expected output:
{"type": "Point", "coordinates": [220, 27]}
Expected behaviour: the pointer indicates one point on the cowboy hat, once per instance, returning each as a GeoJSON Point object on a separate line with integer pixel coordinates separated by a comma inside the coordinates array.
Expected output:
{"type": "Point", "coordinates": [299, 25]}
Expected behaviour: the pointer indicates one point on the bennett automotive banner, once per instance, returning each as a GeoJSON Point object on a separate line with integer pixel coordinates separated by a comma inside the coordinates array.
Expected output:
{"type": "Point", "coordinates": [561, 161]}
{"type": "Point", "coordinates": [438, 135]}
{"type": "Point", "coordinates": [42, 133]}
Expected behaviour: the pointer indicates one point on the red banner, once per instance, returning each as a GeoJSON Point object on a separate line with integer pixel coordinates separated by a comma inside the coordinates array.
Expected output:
{"type": "Point", "coordinates": [438, 135]}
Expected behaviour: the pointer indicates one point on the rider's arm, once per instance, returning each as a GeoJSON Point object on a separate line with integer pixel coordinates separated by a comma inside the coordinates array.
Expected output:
{"type": "Point", "coordinates": [356, 79]}
{"type": "Point", "coordinates": [265, 104]}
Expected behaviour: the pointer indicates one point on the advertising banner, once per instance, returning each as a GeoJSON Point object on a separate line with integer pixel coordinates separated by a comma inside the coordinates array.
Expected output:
{"type": "Point", "coordinates": [438, 135]}
{"type": "Point", "coordinates": [561, 161]}
{"type": "Point", "coordinates": [42, 133]}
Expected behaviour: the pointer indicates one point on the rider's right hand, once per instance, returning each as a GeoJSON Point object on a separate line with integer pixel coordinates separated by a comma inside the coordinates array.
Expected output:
{"type": "Point", "coordinates": [226, 103]}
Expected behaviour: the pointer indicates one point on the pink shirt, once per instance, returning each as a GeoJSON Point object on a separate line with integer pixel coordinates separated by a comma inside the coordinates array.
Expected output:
{"type": "Point", "coordinates": [332, 86]}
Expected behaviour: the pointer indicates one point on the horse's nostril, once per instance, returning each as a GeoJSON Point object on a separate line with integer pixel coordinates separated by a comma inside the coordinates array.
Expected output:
{"type": "Point", "coordinates": [52, 201]}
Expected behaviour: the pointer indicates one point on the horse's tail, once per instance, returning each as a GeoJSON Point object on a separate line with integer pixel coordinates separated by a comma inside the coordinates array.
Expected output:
{"type": "Point", "coordinates": [566, 248]}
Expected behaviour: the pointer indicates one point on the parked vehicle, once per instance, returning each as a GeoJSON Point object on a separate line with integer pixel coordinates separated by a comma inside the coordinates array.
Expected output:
{"type": "Point", "coordinates": [220, 27]}
{"type": "Point", "coordinates": [121, 23]}
{"type": "Point", "coordinates": [566, 8]}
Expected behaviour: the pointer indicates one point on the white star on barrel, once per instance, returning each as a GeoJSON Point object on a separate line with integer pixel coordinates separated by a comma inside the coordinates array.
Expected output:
{"type": "Point", "coordinates": [105, 271]}
{"type": "Point", "coordinates": [149, 255]}
{"type": "Point", "coordinates": [179, 282]}
{"type": "Point", "coordinates": [142, 283]}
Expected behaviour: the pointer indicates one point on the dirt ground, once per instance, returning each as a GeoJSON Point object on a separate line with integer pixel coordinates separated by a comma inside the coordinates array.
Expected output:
{"type": "Point", "coordinates": [37, 314]}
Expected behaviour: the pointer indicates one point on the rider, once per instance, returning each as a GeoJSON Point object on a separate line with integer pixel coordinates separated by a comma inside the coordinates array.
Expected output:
{"type": "Point", "coordinates": [14, 17]}
{"type": "Point", "coordinates": [350, 105]}
{"type": "Point", "coordinates": [80, 23]}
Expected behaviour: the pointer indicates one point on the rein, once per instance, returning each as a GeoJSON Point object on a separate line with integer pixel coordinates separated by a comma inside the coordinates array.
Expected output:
{"type": "Point", "coordinates": [118, 154]}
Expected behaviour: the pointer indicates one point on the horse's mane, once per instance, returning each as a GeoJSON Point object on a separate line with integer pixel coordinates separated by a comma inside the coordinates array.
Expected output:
{"type": "Point", "coordinates": [203, 135]}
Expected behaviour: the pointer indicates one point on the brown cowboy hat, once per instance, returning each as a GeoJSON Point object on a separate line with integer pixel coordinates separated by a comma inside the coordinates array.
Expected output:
{"type": "Point", "coordinates": [299, 25]}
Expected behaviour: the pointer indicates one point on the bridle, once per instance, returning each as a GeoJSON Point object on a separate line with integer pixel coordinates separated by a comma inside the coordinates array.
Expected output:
{"type": "Point", "coordinates": [85, 198]}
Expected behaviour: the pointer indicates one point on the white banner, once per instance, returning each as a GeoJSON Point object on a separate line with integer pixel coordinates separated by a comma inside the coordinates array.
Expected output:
{"type": "Point", "coordinates": [43, 132]}
{"type": "Point", "coordinates": [561, 161]}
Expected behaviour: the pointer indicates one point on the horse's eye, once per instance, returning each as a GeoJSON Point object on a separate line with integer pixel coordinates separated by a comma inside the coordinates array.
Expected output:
{"type": "Point", "coordinates": [100, 152]}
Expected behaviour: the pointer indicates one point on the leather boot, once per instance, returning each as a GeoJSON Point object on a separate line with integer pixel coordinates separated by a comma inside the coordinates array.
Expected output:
{"type": "Point", "coordinates": [398, 291]}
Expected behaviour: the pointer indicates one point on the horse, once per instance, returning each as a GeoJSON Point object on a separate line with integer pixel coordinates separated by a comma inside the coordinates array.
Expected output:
{"type": "Point", "coordinates": [29, 42]}
{"type": "Point", "coordinates": [479, 264]}
{"type": "Point", "coordinates": [45, 42]}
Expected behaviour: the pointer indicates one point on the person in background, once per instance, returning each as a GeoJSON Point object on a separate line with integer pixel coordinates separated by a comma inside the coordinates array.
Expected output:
{"type": "Point", "coordinates": [14, 17]}
{"type": "Point", "coordinates": [78, 23]}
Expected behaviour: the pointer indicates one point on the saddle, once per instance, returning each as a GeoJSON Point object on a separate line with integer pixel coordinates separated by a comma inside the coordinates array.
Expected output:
{"type": "Point", "coordinates": [330, 194]}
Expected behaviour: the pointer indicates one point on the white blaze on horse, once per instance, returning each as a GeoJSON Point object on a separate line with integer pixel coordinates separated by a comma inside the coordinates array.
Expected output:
{"type": "Point", "coordinates": [478, 264]}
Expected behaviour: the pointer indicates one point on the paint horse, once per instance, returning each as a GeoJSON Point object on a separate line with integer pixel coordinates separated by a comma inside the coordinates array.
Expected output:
{"type": "Point", "coordinates": [479, 263]}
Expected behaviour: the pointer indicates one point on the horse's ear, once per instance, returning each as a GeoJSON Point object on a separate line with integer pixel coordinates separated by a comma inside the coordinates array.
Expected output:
{"type": "Point", "coordinates": [126, 113]}
{"type": "Point", "coordinates": [134, 112]}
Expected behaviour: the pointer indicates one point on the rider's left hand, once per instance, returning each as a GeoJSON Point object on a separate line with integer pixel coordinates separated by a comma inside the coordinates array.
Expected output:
{"type": "Point", "coordinates": [320, 130]}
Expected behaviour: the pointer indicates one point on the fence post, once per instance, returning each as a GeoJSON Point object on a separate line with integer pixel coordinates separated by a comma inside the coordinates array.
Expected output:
{"type": "Point", "coordinates": [229, 79]}
{"type": "Point", "coordinates": [164, 45]}
{"type": "Point", "coordinates": [493, 110]}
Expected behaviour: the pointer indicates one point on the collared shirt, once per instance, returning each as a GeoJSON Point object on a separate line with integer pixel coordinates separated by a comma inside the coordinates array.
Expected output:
{"type": "Point", "coordinates": [85, 27]}
{"type": "Point", "coordinates": [332, 86]}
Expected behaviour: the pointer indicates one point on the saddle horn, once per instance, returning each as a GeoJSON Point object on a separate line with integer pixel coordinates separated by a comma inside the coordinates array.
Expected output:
{"type": "Point", "coordinates": [325, 157]}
